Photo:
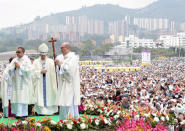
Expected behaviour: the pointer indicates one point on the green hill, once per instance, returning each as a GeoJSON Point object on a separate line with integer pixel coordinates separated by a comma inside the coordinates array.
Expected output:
{"type": "Point", "coordinates": [171, 9]}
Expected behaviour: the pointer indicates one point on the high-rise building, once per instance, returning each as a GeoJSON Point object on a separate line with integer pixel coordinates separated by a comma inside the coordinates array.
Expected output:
{"type": "Point", "coordinates": [84, 25]}
{"type": "Point", "coordinates": [152, 23]}
{"type": "Point", "coordinates": [182, 27]}
{"type": "Point", "coordinates": [117, 28]}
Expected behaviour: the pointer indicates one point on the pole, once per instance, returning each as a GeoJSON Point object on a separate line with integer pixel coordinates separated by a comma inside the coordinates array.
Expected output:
{"type": "Point", "coordinates": [52, 41]}
{"type": "Point", "coordinates": [179, 51]}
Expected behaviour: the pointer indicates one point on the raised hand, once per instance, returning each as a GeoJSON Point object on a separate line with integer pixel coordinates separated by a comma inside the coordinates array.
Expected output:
{"type": "Point", "coordinates": [58, 62]}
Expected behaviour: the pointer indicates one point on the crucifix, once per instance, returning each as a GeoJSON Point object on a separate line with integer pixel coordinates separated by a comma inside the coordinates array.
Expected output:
{"type": "Point", "coordinates": [52, 41]}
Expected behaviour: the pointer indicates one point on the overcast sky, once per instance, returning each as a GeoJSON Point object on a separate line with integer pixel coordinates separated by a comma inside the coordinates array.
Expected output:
{"type": "Point", "coordinates": [15, 12]}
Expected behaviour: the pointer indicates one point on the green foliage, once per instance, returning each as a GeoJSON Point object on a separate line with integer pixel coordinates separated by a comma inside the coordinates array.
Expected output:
{"type": "Point", "coordinates": [98, 38]}
{"type": "Point", "coordinates": [155, 52]}
{"type": "Point", "coordinates": [12, 44]}
{"type": "Point", "coordinates": [75, 49]}
{"type": "Point", "coordinates": [87, 48]}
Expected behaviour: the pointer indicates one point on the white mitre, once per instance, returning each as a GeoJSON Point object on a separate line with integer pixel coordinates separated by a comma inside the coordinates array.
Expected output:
{"type": "Point", "coordinates": [43, 49]}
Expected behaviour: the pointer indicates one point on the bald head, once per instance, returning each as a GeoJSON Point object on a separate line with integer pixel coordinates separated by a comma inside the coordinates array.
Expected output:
{"type": "Point", "coordinates": [65, 48]}
{"type": "Point", "coordinates": [66, 45]}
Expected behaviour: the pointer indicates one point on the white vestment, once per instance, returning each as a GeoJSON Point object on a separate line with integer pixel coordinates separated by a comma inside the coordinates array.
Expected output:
{"type": "Point", "coordinates": [32, 87]}
{"type": "Point", "coordinates": [45, 86]}
{"type": "Point", "coordinates": [68, 95]}
{"type": "Point", "coordinates": [5, 91]}
{"type": "Point", "coordinates": [20, 85]}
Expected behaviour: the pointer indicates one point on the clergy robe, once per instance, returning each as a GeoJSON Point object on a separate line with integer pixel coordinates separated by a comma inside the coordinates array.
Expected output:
{"type": "Point", "coordinates": [68, 95]}
{"type": "Point", "coordinates": [32, 89]}
{"type": "Point", "coordinates": [45, 87]}
{"type": "Point", "coordinates": [5, 91]}
{"type": "Point", "coordinates": [20, 85]}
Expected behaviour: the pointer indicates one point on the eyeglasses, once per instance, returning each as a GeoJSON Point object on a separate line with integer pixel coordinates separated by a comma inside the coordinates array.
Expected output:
{"type": "Point", "coordinates": [17, 52]}
{"type": "Point", "coordinates": [62, 47]}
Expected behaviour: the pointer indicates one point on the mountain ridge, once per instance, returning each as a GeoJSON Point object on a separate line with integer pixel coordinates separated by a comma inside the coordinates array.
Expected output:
{"type": "Point", "coordinates": [159, 9]}
{"type": "Point", "coordinates": [170, 9]}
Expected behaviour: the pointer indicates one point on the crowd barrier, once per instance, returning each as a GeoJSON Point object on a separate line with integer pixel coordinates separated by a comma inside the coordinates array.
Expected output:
{"type": "Point", "coordinates": [95, 62]}
{"type": "Point", "coordinates": [112, 69]}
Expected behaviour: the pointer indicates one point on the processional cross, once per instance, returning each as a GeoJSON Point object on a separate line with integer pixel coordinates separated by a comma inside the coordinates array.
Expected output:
{"type": "Point", "coordinates": [52, 41]}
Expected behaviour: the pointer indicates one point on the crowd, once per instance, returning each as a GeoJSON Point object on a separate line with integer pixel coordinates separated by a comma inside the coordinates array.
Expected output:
{"type": "Point", "coordinates": [159, 86]}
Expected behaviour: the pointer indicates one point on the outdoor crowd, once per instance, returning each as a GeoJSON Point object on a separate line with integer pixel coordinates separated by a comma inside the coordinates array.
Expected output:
{"type": "Point", "coordinates": [159, 87]}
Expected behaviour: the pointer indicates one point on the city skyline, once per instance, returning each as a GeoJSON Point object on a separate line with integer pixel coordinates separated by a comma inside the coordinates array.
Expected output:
{"type": "Point", "coordinates": [21, 12]}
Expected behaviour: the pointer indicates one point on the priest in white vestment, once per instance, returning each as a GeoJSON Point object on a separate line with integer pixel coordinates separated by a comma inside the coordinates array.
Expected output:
{"type": "Point", "coordinates": [68, 95]}
{"type": "Point", "coordinates": [6, 87]}
{"type": "Point", "coordinates": [19, 72]}
{"type": "Point", "coordinates": [32, 91]}
{"type": "Point", "coordinates": [45, 83]}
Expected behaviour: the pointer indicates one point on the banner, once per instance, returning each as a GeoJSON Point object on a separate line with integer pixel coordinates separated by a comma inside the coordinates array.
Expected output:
{"type": "Point", "coordinates": [146, 58]}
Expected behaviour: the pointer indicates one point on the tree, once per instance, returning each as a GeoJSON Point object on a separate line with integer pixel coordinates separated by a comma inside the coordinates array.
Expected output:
{"type": "Point", "coordinates": [75, 49]}
{"type": "Point", "coordinates": [87, 48]}
{"type": "Point", "coordinates": [98, 38]}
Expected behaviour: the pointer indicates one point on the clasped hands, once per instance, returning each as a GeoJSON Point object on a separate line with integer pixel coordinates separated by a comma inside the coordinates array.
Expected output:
{"type": "Point", "coordinates": [17, 65]}
{"type": "Point", "coordinates": [43, 71]}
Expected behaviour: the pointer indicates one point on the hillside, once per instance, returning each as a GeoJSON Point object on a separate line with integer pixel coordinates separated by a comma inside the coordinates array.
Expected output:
{"type": "Point", "coordinates": [102, 12]}
{"type": "Point", "coordinates": [171, 9]}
